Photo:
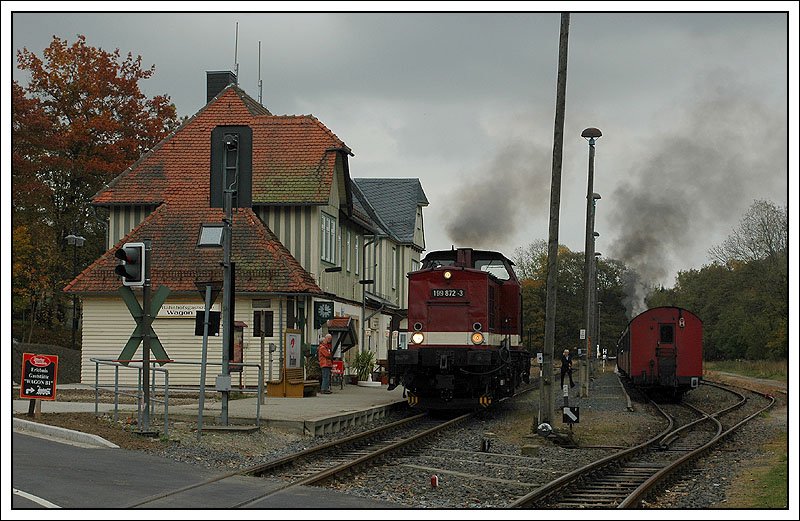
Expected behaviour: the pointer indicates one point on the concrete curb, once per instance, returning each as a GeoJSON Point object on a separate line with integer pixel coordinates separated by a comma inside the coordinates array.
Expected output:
{"type": "Point", "coordinates": [63, 434]}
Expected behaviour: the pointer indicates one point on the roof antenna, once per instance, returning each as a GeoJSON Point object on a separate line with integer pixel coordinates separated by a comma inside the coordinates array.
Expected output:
{"type": "Point", "coordinates": [236, 54]}
{"type": "Point", "coordinates": [259, 73]}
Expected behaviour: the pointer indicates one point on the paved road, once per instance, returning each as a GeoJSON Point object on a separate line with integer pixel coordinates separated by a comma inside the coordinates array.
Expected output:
{"type": "Point", "coordinates": [49, 474]}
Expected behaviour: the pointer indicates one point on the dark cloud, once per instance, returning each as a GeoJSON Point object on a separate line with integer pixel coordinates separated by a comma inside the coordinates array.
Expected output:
{"type": "Point", "coordinates": [487, 211]}
{"type": "Point", "coordinates": [702, 170]}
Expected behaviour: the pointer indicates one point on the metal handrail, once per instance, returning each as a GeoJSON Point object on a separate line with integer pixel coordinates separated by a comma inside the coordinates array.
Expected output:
{"type": "Point", "coordinates": [138, 395]}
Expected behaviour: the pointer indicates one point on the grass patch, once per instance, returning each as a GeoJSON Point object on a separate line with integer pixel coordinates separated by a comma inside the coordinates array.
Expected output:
{"type": "Point", "coordinates": [769, 369]}
{"type": "Point", "coordinates": [766, 483]}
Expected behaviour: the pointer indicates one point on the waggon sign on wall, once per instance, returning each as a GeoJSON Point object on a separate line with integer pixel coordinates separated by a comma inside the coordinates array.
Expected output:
{"type": "Point", "coordinates": [39, 373]}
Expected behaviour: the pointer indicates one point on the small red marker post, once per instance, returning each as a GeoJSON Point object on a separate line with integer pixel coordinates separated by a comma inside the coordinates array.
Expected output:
{"type": "Point", "coordinates": [434, 481]}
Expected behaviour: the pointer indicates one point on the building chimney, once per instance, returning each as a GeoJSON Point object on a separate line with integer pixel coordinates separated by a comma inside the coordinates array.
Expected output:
{"type": "Point", "coordinates": [216, 81]}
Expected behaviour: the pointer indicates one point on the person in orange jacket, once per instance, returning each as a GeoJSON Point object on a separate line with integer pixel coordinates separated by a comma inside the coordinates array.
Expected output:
{"type": "Point", "coordinates": [325, 363]}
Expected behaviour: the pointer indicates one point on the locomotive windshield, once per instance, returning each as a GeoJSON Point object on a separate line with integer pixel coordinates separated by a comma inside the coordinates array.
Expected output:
{"type": "Point", "coordinates": [435, 263]}
{"type": "Point", "coordinates": [493, 267]}
{"type": "Point", "coordinates": [489, 261]}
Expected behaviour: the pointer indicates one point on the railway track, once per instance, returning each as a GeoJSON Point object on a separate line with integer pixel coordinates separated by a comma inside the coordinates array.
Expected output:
{"type": "Point", "coordinates": [626, 478]}
{"type": "Point", "coordinates": [324, 462]}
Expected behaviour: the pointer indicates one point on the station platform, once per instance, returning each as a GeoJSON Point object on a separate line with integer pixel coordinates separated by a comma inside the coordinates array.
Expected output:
{"type": "Point", "coordinates": [316, 415]}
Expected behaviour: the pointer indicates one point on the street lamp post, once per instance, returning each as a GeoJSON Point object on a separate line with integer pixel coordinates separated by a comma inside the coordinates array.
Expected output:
{"type": "Point", "coordinates": [590, 134]}
{"type": "Point", "coordinates": [597, 330]}
{"type": "Point", "coordinates": [364, 283]}
{"type": "Point", "coordinates": [595, 306]}
{"type": "Point", "coordinates": [76, 241]}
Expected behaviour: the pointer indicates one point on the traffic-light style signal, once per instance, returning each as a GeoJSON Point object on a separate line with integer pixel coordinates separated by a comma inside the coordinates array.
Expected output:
{"type": "Point", "coordinates": [132, 269]}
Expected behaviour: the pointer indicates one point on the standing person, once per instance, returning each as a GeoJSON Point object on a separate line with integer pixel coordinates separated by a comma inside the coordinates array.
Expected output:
{"type": "Point", "coordinates": [566, 367]}
{"type": "Point", "coordinates": [325, 363]}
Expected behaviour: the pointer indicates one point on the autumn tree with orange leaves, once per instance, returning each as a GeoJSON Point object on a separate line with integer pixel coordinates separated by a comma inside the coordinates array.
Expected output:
{"type": "Point", "coordinates": [80, 121]}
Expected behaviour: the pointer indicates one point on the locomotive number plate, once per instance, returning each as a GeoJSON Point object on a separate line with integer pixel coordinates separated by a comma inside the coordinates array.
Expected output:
{"type": "Point", "coordinates": [448, 293]}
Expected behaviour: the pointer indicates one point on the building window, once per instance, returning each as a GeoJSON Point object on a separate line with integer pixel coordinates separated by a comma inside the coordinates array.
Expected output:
{"type": "Point", "coordinates": [328, 245]}
{"type": "Point", "coordinates": [414, 265]}
{"type": "Point", "coordinates": [394, 267]}
{"type": "Point", "coordinates": [349, 250]}
{"type": "Point", "coordinates": [357, 250]}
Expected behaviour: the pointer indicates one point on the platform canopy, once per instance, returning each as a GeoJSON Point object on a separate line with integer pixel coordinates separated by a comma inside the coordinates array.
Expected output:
{"type": "Point", "coordinates": [344, 335]}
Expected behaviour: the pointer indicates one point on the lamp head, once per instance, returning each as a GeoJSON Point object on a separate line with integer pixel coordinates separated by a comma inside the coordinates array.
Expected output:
{"type": "Point", "coordinates": [591, 133]}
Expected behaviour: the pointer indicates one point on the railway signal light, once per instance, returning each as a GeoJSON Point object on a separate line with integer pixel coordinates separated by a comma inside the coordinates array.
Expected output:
{"type": "Point", "coordinates": [132, 269]}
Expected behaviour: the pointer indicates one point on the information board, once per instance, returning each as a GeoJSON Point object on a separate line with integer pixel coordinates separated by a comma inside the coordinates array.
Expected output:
{"type": "Point", "coordinates": [39, 374]}
{"type": "Point", "coordinates": [293, 353]}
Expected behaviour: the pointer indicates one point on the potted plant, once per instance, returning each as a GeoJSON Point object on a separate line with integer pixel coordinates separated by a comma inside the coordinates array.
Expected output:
{"type": "Point", "coordinates": [364, 363]}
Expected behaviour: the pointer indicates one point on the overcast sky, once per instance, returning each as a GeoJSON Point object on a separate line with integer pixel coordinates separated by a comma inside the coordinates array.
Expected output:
{"type": "Point", "coordinates": [693, 107]}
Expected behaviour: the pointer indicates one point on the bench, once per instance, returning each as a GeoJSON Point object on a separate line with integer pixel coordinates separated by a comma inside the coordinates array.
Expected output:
{"type": "Point", "coordinates": [310, 387]}
{"type": "Point", "coordinates": [294, 386]}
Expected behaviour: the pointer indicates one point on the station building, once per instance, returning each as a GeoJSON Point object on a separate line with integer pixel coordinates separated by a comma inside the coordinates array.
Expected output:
{"type": "Point", "coordinates": [309, 243]}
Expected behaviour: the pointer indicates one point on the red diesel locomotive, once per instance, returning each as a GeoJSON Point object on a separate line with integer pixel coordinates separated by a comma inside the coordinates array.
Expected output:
{"type": "Point", "coordinates": [661, 350]}
{"type": "Point", "coordinates": [464, 325]}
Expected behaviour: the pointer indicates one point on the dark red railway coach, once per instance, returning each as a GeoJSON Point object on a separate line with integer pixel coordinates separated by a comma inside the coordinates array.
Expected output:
{"type": "Point", "coordinates": [662, 349]}
{"type": "Point", "coordinates": [464, 319]}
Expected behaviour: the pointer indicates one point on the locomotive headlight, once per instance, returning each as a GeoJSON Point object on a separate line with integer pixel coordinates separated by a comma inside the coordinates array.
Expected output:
{"type": "Point", "coordinates": [417, 337]}
{"type": "Point", "coordinates": [447, 275]}
{"type": "Point", "coordinates": [477, 337]}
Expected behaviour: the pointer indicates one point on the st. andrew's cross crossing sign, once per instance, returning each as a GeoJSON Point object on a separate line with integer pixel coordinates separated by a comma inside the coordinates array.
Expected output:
{"type": "Point", "coordinates": [143, 324]}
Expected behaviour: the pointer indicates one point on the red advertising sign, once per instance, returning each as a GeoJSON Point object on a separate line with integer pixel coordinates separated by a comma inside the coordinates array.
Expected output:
{"type": "Point", "coordinates": [338, 367]}
{"type": "Point", "coordinates": [39, 374]}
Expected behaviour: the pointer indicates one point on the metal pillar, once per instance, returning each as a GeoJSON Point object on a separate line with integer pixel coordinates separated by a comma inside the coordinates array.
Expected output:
{"type": "Point", "coordinates": [591, 134]}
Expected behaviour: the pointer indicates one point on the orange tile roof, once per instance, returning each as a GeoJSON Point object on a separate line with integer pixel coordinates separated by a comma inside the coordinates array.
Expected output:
{"type": "Point", "coordinates": [293, 163]}
{"type": "Point", "coordinates": [293, 159]}
{"type": "Point", "coordinates": [339, 323]}
{"type": "Point", "coordinates": [263, 264]}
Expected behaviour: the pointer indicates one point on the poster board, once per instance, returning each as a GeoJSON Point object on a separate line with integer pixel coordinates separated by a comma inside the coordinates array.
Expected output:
{"type": "Point", "coordinates": [39, 376]}
{"type": "Point", "coordinates": [294, 354]}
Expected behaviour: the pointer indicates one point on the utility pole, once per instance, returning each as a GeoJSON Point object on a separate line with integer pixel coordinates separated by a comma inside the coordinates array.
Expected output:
{"type": "Point", "coordinates": [546, 382]}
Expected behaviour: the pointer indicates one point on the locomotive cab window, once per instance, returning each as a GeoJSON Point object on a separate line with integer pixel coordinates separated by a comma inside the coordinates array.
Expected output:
{"type": "Point", "coordinates": [493, 267]}
{"type": "Point", "coordinates": [667, 333]}
{"type": "Point", "coordinates": [436, 263]}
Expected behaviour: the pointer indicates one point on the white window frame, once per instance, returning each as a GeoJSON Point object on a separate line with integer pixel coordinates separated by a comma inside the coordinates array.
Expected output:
{"type": "Point", "coordinates": [357, 254]}
{"type": "Point", "coordinates": [394, 267]}
{"type": "Point", "coordinates": [328, 239]}
{"type": "Point", "coordinates": [349, 251]}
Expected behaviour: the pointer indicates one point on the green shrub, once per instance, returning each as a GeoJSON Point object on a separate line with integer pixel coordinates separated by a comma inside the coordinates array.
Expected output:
{"type": "Point", "coordinates": [364, 364]}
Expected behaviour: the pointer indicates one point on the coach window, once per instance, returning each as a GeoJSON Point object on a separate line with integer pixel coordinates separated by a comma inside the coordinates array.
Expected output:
{"type": "Point", "coordinates": [667, 334]}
